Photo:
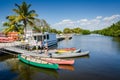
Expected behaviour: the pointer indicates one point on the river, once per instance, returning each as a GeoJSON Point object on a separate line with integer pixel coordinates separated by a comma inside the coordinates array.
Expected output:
{"type": "Point", "coordinates": [101, 64]}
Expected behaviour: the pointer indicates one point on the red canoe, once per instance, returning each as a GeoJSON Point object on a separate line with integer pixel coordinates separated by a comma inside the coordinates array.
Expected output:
{"type": "Point", "coordinates": [59, 61]}
{"type": "Point", "coordinates": [6, 39]}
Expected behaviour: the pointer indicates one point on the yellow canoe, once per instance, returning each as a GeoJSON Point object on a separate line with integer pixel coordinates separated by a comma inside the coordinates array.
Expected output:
{"type": "Point", "coordinates": [66, 50]}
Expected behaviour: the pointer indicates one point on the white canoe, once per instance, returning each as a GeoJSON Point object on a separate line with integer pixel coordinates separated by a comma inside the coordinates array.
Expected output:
{"type": "Point", "coordinates": [70, 54]}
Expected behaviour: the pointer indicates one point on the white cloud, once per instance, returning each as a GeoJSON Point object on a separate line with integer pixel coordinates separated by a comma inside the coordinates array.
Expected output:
{"type": "Point", "coordinates": [83, 20]}
{"type": "Point", "coordinates": [94, 24]}
{"type": "Point", "coordinates": [111, 18]}
{"type": "Point", "coordinates": [98, 17]}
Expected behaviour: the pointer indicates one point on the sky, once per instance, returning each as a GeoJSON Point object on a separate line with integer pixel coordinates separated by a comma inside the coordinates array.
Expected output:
{"type": "Point", "coordinates": [86, 14]}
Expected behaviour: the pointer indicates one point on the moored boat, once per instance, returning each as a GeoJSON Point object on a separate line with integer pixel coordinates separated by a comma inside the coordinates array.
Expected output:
{"type": "Point", "coordinates": [59, 61]}
{"type": "Point", "coordinates": [69, 54]}
{"type": "Point", "coordinates": [37, 62]}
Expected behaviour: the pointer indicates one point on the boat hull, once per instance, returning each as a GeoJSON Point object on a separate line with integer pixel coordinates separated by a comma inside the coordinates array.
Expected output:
{"type": "Point", "coordinates": [46, 65]}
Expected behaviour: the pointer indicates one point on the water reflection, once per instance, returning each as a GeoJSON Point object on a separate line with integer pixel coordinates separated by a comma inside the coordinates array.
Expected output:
{"type": "Point", "coordinates": [116, 41]}
{"type": "Point", "coordinates": [67, 67]}
{"type": "Point", "coordinates": [28, 72]}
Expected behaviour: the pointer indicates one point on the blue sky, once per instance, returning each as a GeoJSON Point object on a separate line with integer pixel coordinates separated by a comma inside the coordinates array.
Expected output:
{"type": "Point", "coordinates": [86, 14]}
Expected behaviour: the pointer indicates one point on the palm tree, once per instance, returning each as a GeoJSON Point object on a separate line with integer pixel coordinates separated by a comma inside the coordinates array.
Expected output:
{"type": "Point", "coordinates": [25, 15]}
{"type": "Point", "coordinates": [12, 25]}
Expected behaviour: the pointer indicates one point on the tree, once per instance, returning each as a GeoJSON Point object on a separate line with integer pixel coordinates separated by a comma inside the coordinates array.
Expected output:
{"type": "Point", "coordinates": [41, 26]}
{"type": "Point", "coordinates": [85, 32]}
{"type": "Point", "coordinates": [25, 15]}
{"type": "Point", "coordinates": [67, 30]}
{"type": "Point", "coordinates": [77, 30]}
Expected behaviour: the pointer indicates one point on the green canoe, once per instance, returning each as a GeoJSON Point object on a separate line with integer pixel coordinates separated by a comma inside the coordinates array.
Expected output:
{"type": "Point", "coordinates": [37, 62]}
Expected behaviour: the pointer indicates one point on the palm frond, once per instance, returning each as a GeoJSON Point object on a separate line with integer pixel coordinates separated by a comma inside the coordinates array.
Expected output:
{"type": "Point", "coordinates": [17, 11]}
{"type": "Point", "coordinates": [30, 22]}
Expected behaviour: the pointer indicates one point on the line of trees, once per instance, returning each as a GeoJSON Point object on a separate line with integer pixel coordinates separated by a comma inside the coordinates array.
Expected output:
{"type": "Point", "coordinates": [70, 31]}
{"type": "Point", "coordinates": [113, 30]}
{"type": "Point", "coordinates": [76, 31]}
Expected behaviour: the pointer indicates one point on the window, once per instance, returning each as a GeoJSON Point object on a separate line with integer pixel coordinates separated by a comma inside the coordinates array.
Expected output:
{"type": "Point", "coordinates": [47, 36]}
{"type": "Point", "coordinates": [44, 36]}
{"type": "Point", "coordinates": [35, 38]}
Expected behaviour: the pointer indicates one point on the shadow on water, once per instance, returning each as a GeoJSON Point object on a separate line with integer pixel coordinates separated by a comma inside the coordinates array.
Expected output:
{"type": "Point", "coordinates": [4, 56]}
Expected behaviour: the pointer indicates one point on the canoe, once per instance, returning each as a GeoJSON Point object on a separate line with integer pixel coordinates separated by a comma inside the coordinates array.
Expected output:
{"type": "Point", "coordinates": [59, 61]}
{"type": "Point", "coordinates": [69, 54]}
{"type": "Point", "coordinates": [65, 50]}
{"type": "Point", "coordinates": [37, 62]}
{"type": "Point", "coordinates": [6, 39]}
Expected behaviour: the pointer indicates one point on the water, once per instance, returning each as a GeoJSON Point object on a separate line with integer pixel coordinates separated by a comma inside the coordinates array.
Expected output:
{"type": "Point", "coordinates": [102, 63]}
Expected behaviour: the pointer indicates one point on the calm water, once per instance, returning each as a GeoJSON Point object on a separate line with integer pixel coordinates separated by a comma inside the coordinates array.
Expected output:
{"type": "Point", "coordinates": [103, 63]}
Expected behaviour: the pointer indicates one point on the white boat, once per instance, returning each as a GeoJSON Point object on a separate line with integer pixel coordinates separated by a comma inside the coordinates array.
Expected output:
{"type": "Point", "coordinates": [36, 37]}
{"type": "Point", "coordinates": [69, 54]}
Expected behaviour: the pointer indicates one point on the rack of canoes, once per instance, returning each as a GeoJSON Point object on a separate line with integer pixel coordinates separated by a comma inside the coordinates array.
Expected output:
{"type": "Point", "coordinates": [52, 60]}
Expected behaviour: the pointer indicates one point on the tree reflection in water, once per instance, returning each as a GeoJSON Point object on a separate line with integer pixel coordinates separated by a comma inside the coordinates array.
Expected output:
{"type": "Point", "coordinates": [27, 72]}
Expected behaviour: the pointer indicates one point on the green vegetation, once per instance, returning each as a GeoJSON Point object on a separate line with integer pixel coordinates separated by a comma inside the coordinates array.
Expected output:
{"type": "Point", "coordinates": [113, 30]}
{"type": "Point", "coordinates": [76, 31]}
{"type": "Point", "coordinates": [12, 25]}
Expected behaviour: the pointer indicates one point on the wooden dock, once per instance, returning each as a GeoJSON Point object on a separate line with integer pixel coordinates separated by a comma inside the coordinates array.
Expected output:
{"type": "Point", "coordinates": [23, 51]}
{"type": "Point", "coordinates": [11, 47]}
